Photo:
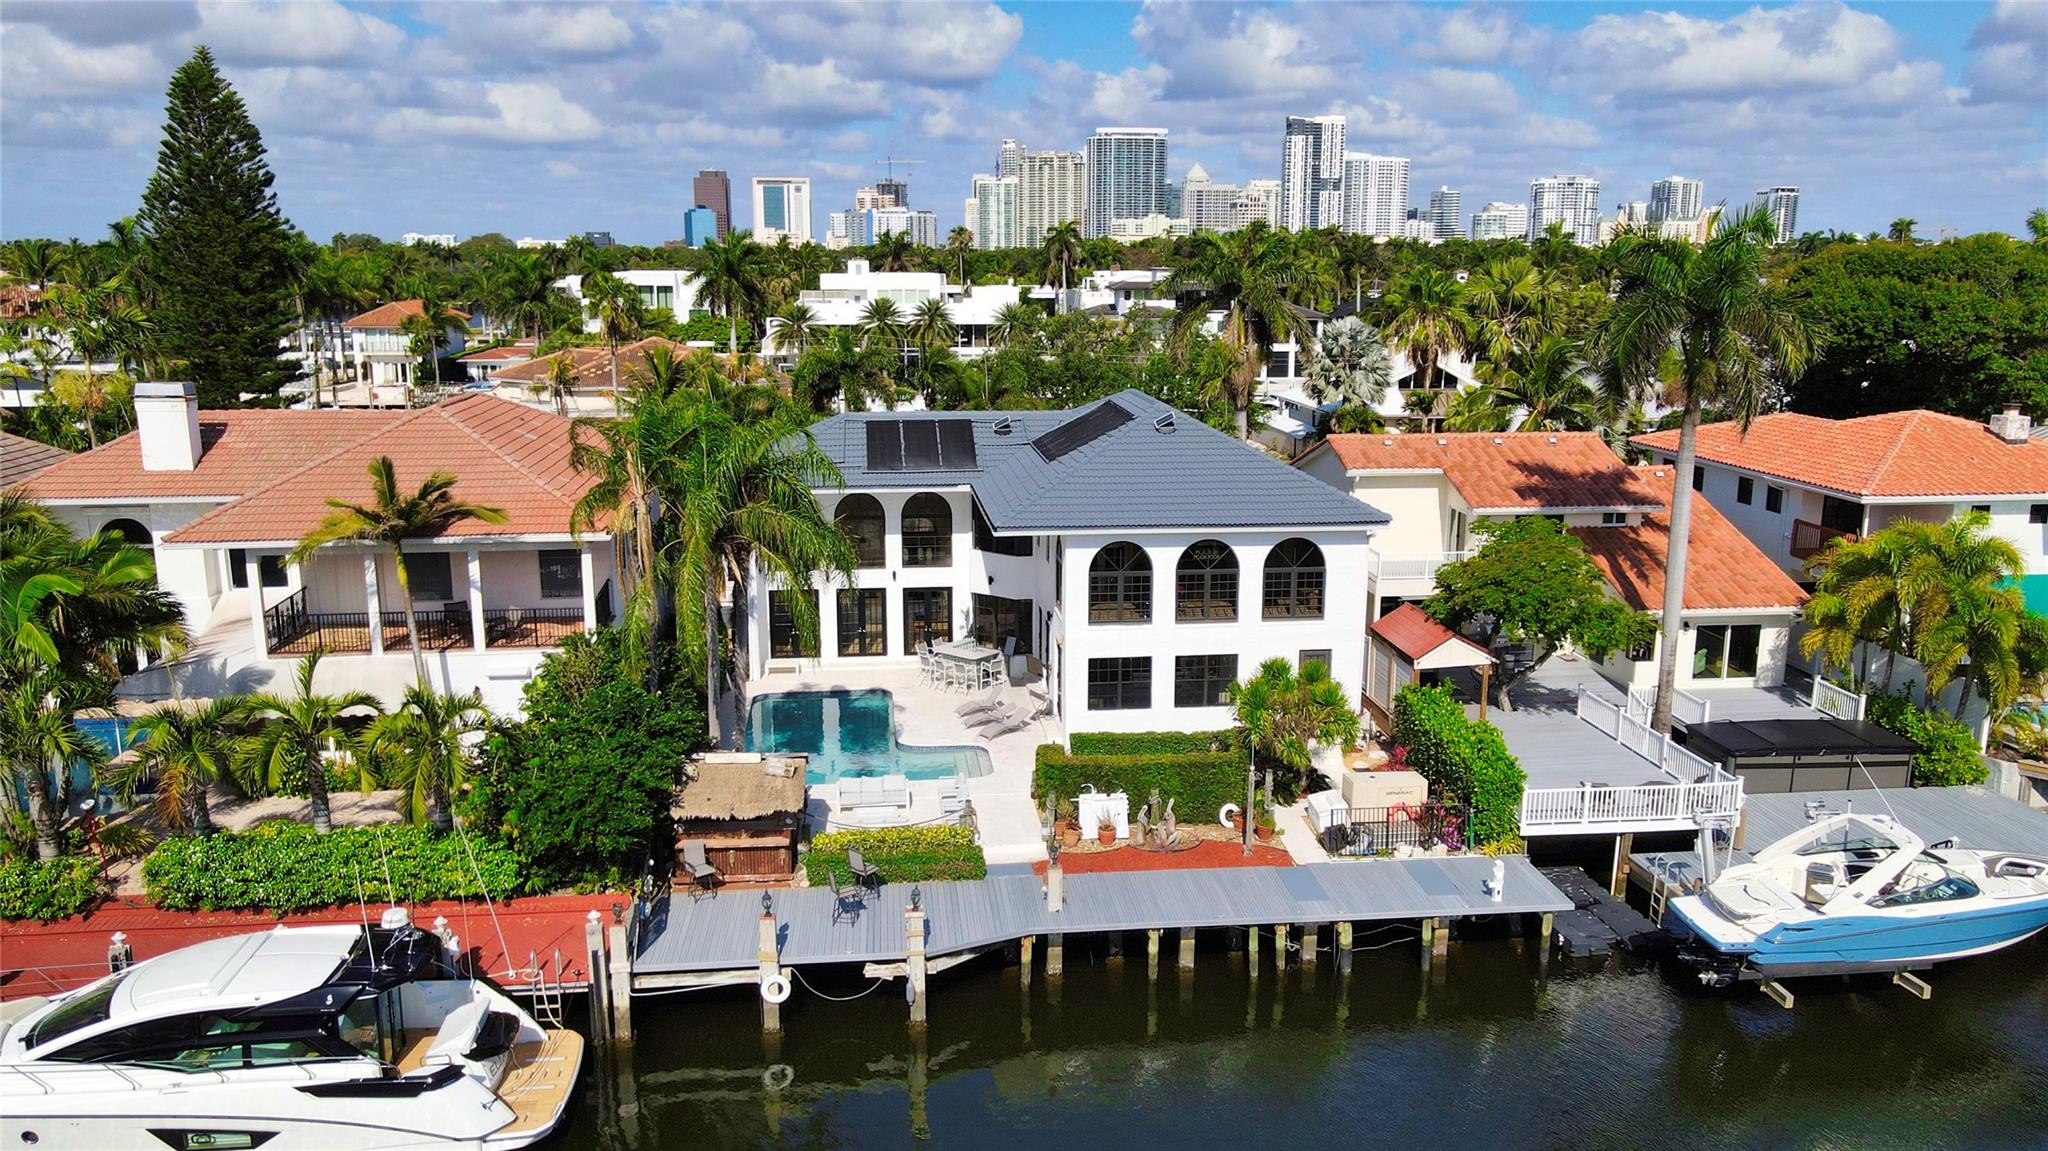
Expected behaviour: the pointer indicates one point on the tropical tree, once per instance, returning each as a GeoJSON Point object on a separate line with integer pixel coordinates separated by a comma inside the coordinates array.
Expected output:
{"type": "Point", "coordinates": [1282, 714]}
{"type": "Point", "coordinates": [1244, 275]}
{"type": "Point", "coordinates": [40, 739]}
{"type": "Point", "coordinates": [1901, 231]}
{"type": "Point", "coordinates": [424, 746]}
{"type": "Point", "coordinates": [560, 382]}
{"type": "Point", "coordinates": [845, 368]}
{"type": "Point", "coordinates": [623, 456]}
{"type": "Point", "coordinates": [1547, 385]}
{"type": "Point", "coordinates": [293, 732]}
{"type": "Point", "coordinates": [960, 242]}
{"type": "Point", "coordinates": [390, 519]}
{"type": "Point", "coordinates": [797, 326]}
{"type": "Point", "coordinates": [931, 327]}
{"type": "Point", "coordinates": [891, 252]}
{"type": "Point", "coordinates": [1355, 418]}
{"type": "Point", "coordinates": [1014, 325]}
{"type": "Point", "coordinates": [1427, 318]}
{"type": "Point", "coordinates": [1732, 332]}
{"type": "Point", "coordinates": [1513, 304]}
{"type": "Point", "coordinates": [35, 261]}
{"type": "Point", "coordinates": [1987, 640]}
{"type": "Point", "coordinates": [187, 748]}
{"type": "Point", "coordinates": [615, 305]}
{"type": "Point", "coordinates": [882, 325]}
{"type": "Point", "coordinates": [429, 326]}
{"type": "Point", "coordinates": [1470, 410]}
{"type": "Point", "coordinates": [1351, 366]}
{"type": "Point", "coordinates": [2037, 225]}
{"type": "Point", "coordinates": [732, 279]}
{"type": "Point", "coordinates": [1059, 251]}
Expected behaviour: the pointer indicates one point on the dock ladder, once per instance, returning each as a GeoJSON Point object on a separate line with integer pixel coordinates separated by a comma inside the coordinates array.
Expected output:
{"type": "Point", "coordinates": [1664, 883]}
{"type": "Point", "coordinates": [545, 992]}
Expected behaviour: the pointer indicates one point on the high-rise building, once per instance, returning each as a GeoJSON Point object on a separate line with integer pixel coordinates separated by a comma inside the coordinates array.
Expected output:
{"type": "Point", "coordinates": [1262, 200]}
{"type": "Point", "coordinates": [1573, 201]}
{"type": "Point", "coordinates": [1674, 198]}
{"type": "Point", "coordinates": [713, 189]}
{"type": "Point", "coordinates": [1639, 212]}
{"type": "Point", "coordinates": [1498, 221]}
{"type": "Point", "coordinates": [993, 211]}
{"type": "Point", "coordinates": [1010, 158]}
{"type": "Point", "coordinates": [1312, 173]}
{"type": "Point", "coordinates": [1782, 203]}
{"type": "Point", "coordinates": [1126, 177]}
{"type": "Point", "coordinates": [1207, 205]}
{"type": "Point", "coordinates": [1052, 189]}
{"type": "Point", "coordinates": [873, 197]}
{"type": "Point", "coordinates": [921, 226]}
{"type": "Point", "coordinates": [897, 190]}
{"type": "Point", "coordinates": [1446, 213]}
{"type": "Point", "coordinates": [700, 226]}
{"type": "Point", "coordinates": [1375, 194]}
{"type": "Point", "coordinates": [782, 207]}
{"type": "Point", "coordinates": [600, 239]}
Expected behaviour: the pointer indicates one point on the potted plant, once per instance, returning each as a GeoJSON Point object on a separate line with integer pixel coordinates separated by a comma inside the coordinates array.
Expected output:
{"type": "Point", "coordinates": [1263, 827]}
{"type": "Point", "coordinates": [1106, 834]}
{"type": "Point", "coordinates": [1070, 825]}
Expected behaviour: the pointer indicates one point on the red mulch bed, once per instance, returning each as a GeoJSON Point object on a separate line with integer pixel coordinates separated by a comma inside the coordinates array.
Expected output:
{"type": "Point", "coordinates": [1209, 853]}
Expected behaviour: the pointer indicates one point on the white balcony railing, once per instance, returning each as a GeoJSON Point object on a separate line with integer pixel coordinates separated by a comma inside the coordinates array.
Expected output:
{"type": "Point", "coordinates": [1697, 790]}
{"type": "Point", "coordinates": [1419, 566]}
{"type": "Point", "coordinates": [1837, 701]}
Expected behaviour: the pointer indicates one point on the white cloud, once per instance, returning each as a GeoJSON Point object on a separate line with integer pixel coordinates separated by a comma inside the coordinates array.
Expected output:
{"type": "Point", "coordinates": [1473, 36]}
{"type": "Point", "coordinates": [1669, 54]}
{"type": "Point", "coordinates": [523, 113]}
{"type": "Point", "coordinates": [301, 31]}
{"type": "Point", "coordinates": [563, 170]}
{"type": "Point", "coordinates": [2012, 54]}
{"type": "Point", "coordinates": [819, 91]}
{"type": "Point", "coordinates": [40, 64]}
{"type": "Point", "coordinates": [1214, 53]}
{"type": "Point", "coordinates": [927, 44]}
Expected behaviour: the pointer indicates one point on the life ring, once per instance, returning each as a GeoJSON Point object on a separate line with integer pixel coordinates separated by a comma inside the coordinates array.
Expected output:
{"type": "Point", "coordinates": [1228, 813]}
{"type": "Point", "coordinates": [778, 1077]}
{"type": "Point", "coordinates": [775, 989]}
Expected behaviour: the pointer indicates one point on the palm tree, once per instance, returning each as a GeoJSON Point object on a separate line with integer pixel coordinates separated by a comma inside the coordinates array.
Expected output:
{"type": "Point", "coordinates": [1427, 319]}
{"type": "Point", "coordinates": [1513, 304]}
{"type": "Point", "coordinates": [881, 325]}
{"type": "Point", "coordinates": [1731, 330]}
{"type": "Point", "coordinates": [1351, 366]}
{"type": "Point", "coordinates": [560, 382]}
{"type": "Point", "coordinates": [1244, 275]}
{"type": "Point", "coordinates": [1472, 410]}
{"type": "Point", "coordinates": [796, 326]}
{"type": "Point", "coordinates": [2037, 225]}
{"type": "Point", "coordinates": [891, 252]}
{"type": "Point", "coordinates": [1014, 325]}
{"type": "Point", "coordinates": [293, 731]}
{"type": "Point", "coordinates": [429, 327]}
{"type": "Point", "coordinates": [960, 241]}
{"type": "Point", "coordinates": [623, 456]}
{"type": "Point", "coordinates": [390, 519]}
{"type": "Point", "coordinates": [40, 740]}
{"type": "Point", "coordinates": [100, 321]}
{"type": "Point", "coordinates": [847, 369]}
{"type": "Point", "coordinates": [1059, 252]}
{"type": "Point", "coordinates": [1282, 712]}
{"type": "Point", "coordinates": [1547, 384]}
{"type": "Point", "coordinates": [731, 280]}
{"type": "Point", "coordinates": [931, 326]}
{"type": "Point", "coordinates": [1357, 419]}
{"type": "Point", "coordinates": [187, 748]}
{"type": "Point", "coordinates": [615, 305]}
{"type": "Point", "coordinates": [1901, 231]}
{"type": "Point", "coordinates": [424, 748]}
{"type": "Point", "coordinates": [1984, 638]}
{"type": "Point", "coordinates": [35, 261]}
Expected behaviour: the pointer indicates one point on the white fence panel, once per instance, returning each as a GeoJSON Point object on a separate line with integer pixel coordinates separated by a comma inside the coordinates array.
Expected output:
{"type": "Point", "coordinates": [1839, 702]}
{"type": "Point", "coordinates": [1600, 714]}
{"type": "Point", "coordinates": [1688, 708]}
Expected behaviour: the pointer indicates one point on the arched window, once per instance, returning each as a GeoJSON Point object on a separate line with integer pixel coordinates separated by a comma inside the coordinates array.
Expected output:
{"type": "Point", "coordinates": [1120, 585]}
{"type": "Point", "coordinates": [131, 532]}
{"type": "Point", "coordinates": [1205, 585]}
{"type": "Point", "coordinates": [860, 517]}
{"type": "Point", "coordinates": [927, 531]}
{"type": "Point", "coordinates": [1294, 580]}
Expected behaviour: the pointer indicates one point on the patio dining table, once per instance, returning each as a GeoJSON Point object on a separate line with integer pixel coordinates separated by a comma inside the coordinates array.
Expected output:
{"type": "Point", "coordinates": [968, 652]}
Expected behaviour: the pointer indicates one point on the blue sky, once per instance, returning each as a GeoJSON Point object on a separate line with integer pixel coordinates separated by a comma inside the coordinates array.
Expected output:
{"type": "Point", "coordinates": [543, 119]}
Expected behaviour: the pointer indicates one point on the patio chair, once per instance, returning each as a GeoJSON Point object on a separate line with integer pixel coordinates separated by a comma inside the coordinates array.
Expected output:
{"type": "Point", "coordinates": [927, 667]}
{"type": "Point", "coordinates": [697, 867]}
{"type": "Point", "coordinates": [987, 701]}
{"type": "Point", "coordinates": [846, 901]}
{"type": "Point", "coordinates": [865, 874]}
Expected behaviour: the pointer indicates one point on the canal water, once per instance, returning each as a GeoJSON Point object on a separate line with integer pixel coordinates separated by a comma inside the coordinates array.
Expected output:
{"type": "Point", "coordinates": [1618, 1056]}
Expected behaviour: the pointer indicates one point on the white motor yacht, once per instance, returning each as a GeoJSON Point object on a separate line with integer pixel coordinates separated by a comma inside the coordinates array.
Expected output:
{"type": "Point", "coordinates": [339, 1038]}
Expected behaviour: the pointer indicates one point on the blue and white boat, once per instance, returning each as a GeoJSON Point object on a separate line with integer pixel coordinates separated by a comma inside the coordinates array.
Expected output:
{"type": "Point", "coordinates": [1858, 893]}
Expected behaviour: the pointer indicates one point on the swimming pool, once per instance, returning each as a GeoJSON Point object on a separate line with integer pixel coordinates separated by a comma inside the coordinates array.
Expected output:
{"type": "Point", "coordinates": [851, 733]}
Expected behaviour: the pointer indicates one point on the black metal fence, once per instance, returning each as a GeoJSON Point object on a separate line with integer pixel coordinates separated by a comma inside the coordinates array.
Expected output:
{"type": "Point", "coordinates": [292, 630]}
{"type": "Point", "coordinates": [1366, 831]}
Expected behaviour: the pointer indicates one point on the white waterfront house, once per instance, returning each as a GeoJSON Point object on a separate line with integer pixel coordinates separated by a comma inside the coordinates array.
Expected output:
{"type": "Point", "coordinates": [1137, 560]}
{"type": "Point", "coordinates": [841, 300]}
{"type": "Point", "coordinates": [221, 497]}
{"type": "Point", "coordinates": [382, 350]}
{"type": "Point", "coordinates": [671, 288]}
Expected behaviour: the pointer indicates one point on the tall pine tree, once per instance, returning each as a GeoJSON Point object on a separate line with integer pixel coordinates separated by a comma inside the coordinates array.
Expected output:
{"type": "Point", "coordinates": [220, 251]}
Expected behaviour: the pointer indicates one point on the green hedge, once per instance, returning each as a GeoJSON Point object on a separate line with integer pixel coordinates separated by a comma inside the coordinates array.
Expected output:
{"type": "Point", "coordinates": [1151, 742]}
{"type": "Point", "coordinates": [1199, 783]}
{"type": "Point", "coordinates": [64, 886]}
{"type": "Point", "coordinates": [1948, 755]}
{"type": "Point", "coordinates": [285, 866]}
{"type": "Point", "coordinates": [901, 854]}
{"type": "Point", "coordinates": [1466, 760]}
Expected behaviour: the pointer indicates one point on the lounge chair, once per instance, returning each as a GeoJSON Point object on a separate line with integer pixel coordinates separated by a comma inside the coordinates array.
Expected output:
{"type": "Point", "coordinates": [1011, 722]}
{"type": "Point", "coordinates": [697, 867]}
{"type": "Point", "coordinates": [987, 701]}
{"type": "Point", "coordinates": [864, 873]}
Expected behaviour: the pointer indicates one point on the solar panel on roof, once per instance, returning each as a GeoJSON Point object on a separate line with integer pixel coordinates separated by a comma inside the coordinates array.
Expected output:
{"type": "Point", "coordinates": [1082, 430]}
{"type": "Point", "coordinates": [885, 446]}
{"type": "Point", "coordinates": [920, 444]}
{"type": "Point", "coordinates": [956, 443]}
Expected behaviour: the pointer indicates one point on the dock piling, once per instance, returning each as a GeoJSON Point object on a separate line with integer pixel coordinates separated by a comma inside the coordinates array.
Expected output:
{"type": "Point", "coordinates": [1311, 942]}
{"type": "Point", "coordinates": [1187, 949]}
{"type": "Point", "coordinates": [1152, 956]}
{"type": "Point", "coordinates": [770, 962]}
{"type": "Point", "coordinates": [913, 956]}
{"type": "Point", "coordinates": [1025, 946]}
{"type": "Point", "coordinates": [1055, 957]}
{"type": "Point", "coordinates": [1344, 948]}
{"type": "Point", "coordinates": [600, 996]}
{"type": "Point", "coordinates": [1624, 844]}
{"type": "Point", "coordinates": [620, 980]}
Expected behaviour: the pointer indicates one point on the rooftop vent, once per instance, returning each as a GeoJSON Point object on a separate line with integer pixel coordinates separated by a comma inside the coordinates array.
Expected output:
{"type": "Point", "coordinates": [1003, 427]}
{"type": "Point", "coordinates": [1164, 423]}
{"type": "Point", "coordinates": [2011, 425]}
{"type": "Point", "coordinates": [1553, 439]}
{"type": "Point", "coordinates": [1497, 441]}
{"type": "Point", "coordinates": [1442, 442]}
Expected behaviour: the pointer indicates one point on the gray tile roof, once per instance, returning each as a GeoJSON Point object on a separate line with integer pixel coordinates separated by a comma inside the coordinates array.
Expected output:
{"type": "Point", "coordinates": [21, 458]}
{"type": "Point", "coordinates": [1136, 476]}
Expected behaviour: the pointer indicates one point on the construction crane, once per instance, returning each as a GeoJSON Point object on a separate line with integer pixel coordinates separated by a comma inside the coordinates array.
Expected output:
{"type": "Point", "coordinates": [890, 162]}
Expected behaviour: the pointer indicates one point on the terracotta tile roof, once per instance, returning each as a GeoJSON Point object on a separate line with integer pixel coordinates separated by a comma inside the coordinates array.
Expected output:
{"type": "Point", "coordinates": [1915, 453]}
{"type": "Point", "coordinates": [1723, 570]}
{"type": "Point", "coordinates": [511, 353]}
{"type": "Point", "coordinates": [391, 315]}
{"type": "Point", "coordinates": [243, 451]}
{"type": "Point", "coordinates": [502, 454]}
{"type": "Point", "coordinates": [20, 458]}
{"type": "Point", "coordinates": [1504, 470]}
{"type": "Point", "coordinates": [592, 365]}
{"type": "Point", "coordinates": [1415, 635]}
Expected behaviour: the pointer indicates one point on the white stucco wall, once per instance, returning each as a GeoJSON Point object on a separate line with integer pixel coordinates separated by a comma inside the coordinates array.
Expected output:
{"type": "Point", "coordinates": [1773, 648]}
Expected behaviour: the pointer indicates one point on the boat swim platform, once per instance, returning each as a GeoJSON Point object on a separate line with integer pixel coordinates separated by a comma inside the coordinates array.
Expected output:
{"type": "Point", "coordinates": [720, 932]}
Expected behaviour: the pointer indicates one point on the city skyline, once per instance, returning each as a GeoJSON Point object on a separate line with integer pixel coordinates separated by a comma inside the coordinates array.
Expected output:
{"type": "Point", "coordinates": [1872, 112]}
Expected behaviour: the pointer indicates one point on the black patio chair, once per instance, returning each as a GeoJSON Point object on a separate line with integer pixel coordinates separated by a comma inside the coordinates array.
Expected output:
{"type": "Point", "coordinates": [865, 875]}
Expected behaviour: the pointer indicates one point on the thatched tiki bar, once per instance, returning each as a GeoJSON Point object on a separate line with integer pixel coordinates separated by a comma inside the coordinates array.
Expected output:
{"type": "Point", "coordinates": [746, 810]}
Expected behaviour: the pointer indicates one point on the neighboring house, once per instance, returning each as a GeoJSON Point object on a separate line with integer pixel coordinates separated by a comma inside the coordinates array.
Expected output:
{"type": "Point", "coordinates": [1792, 483]}
{"type": "Point", "coordinates": [382, 350]}
{"type": "Point", "coordinates": [671, 288]}
{"type": "Point", "coordinates": [591, 368]}
{"type": "Point", "coordinates": [21, 460]}
{"type": "Point", "coordinates": [484, 364]}
{"type": "Point", "coordinates": [222, 496]}
{"type": "Point", "coordinates": [841, 300]}
{"type": "Point", "coordinates": [1140, 560]}
{"type": "Point", "coordinates": [1739, 610]}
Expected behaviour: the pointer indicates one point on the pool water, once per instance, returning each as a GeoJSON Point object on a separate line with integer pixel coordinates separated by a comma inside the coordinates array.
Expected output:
{"type": "Point", "coordinates": [851, 733]}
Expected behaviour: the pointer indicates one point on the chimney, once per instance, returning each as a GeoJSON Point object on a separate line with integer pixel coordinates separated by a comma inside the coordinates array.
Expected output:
{"type": "Point", "coordinates": [2011, 425]}
{"type": "Point", "coordinates": [167, 422]}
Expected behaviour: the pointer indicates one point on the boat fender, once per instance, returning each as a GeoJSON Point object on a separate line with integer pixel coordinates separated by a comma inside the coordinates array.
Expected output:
{"type": "Point", "coordinates": [775, 989]}
{"type": "Point", "coordinates": [778, 1077]}
{"type": "Point", "coordinates": [1226, 813]}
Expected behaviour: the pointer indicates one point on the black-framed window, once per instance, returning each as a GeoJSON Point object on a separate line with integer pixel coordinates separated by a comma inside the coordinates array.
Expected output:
{"type": "Point", "coordinates": [433, 579]}
{"type": "Point", "coordinates": [782, 631]}
{"type": "Point", "coordinates": [986, 539]}
{"type": "Point", "coordinates": [2037, 514]}
{"type": "Point", "coordinates": [1122, 683]}
{"type": "Point", "coordinates": [1699, 478]}
{"type": "Point", "coordinates": [1319, 655]}
{"type": "Point", "coordinates": [1613, 519]}
{"type": "Point", "coordinates": [1643, 652]}
{"type": "Point", "coordinates": [269, 569]}
{"type": "Point", "coordinates": [1841, 515]}
{"type": "Point", "coordinates": [1745, 490]}
{"type": "Point", "coordinates": [860, 516]}
{"type": "Point", "coordinates": [997, 618]}
{"type": "Point", "coordinates": [927, 616]}
{"type": "Point", "coordinates": [1726, 651]}
{"type": "Point", "coordinates": [1120, 585]}
{"type": "Point", "coordinates": [1203, 680]}
{"type": "Point", "coordinates": [561, 574]}
{"type": "Point", "coordinates": [1205, 582]}
{"type": "Point", "coordinates": [1774, 499]}
{"type": "Point", "coordinates": [863, 621]}
{"type": "Point", "coordinates": [1294, 580]}
{"type": "Point", "coordinates": [1985, 508]}
{"type": "Point", "coordinates": [927, 531]}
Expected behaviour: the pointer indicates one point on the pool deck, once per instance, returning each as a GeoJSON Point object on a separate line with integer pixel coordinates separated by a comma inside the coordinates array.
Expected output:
{"type": "Point", "coordinates": [925, 716]}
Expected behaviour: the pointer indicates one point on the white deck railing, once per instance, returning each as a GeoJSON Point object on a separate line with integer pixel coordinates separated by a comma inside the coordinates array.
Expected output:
{"type": "Point", "coordinates": [1837, 701]}
{"type": "Point", "coordinates": [1416, 566]}
{"type": "Point", "coordinates": [1698, 789]}
{"type": "Point", "coordinates": [1686, 707]}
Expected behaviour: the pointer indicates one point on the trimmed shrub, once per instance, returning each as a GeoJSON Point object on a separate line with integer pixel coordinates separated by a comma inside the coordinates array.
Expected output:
{"type": "Point", "coordinates": [1466, 760]}
{"type": "Point", "coordinates": [1948, 754]}
{"type": "Point", "coordinates": [66, 885]}
{"type": "Point", "coordinates": [1199, 783]}
{"type": "Point", "coordinates": [285, 866]}
{"type": "Point", "coordinates": [1151, 742]}
{"type": "Point", "coordinates": [901, 854]}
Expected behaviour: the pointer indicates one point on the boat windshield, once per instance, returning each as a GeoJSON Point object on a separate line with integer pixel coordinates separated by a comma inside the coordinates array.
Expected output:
{"type": "Point", "coordinates": [1926, 881]}
{"type": "Point", "coordinates": [1851, 846]}
{"type": "Point", "coordinates": [81, 1010]}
